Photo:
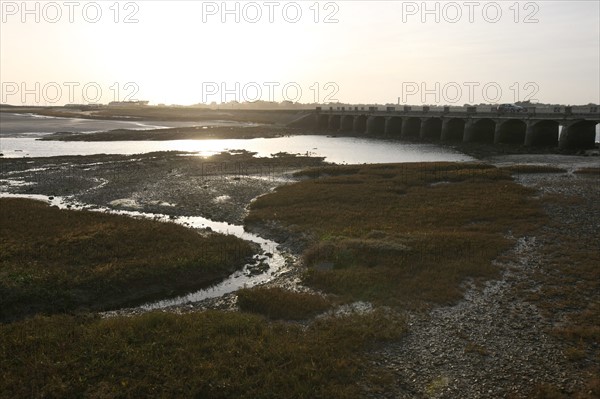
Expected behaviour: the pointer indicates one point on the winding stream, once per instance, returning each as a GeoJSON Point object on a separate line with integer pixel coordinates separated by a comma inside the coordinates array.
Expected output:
{"type": "Point", "coordinates": [340, 150]}
{"type": "Point", "coordinates": [247, 277]}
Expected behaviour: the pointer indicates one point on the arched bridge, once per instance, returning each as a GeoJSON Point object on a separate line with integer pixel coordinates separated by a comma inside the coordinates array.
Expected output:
{"type": "Point", "coordinates": [565, 127]}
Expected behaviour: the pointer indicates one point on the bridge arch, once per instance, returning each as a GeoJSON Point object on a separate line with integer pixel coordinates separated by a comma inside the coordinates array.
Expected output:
{"type": "Point", "coordinates": [431, 129]}
{"type": "Point", "coordinates": [376, 125]}
{"type": "Point", "coordinates": [411, 127]}
{"type": "Point", "coordinates": [578, 135]}
{"type": "Point", "coordinates": [510, 131]}
{"type": "Point", "coordinates": [347, 123]}
{"type": "Point", "coordinates": [360, 124]}
{"type": "Point", "coordinates": [480, 131]}
{"type": "Point", "coordinates": [453, 129]}
{"type": "Point", "coordinates": [543, 133]}
{"type": "Point", "coordinates": [393, 126]}
{"type": "Point", "coordinates": [334, 122]}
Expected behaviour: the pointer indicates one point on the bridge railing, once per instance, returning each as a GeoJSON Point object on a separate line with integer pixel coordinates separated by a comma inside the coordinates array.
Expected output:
{"type": "Point", "coordinates": [587, 111]}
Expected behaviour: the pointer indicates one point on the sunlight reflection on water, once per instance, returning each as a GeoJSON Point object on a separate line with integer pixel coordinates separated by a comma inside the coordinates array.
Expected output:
{"type": "Point", "coordinates": [334, 149]}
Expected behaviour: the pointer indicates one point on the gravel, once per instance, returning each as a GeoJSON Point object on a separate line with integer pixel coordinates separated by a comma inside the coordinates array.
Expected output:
{"type": "Point", "coordinates": [494, 343]}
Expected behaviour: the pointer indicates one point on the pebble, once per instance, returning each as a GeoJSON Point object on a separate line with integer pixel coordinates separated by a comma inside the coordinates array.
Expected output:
{"type": "Point", "coordinates": [497, 318]}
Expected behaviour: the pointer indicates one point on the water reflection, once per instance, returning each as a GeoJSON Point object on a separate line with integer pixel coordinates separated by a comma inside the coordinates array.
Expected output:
{"type": "Point", "coordinates": [271, 256]}
{"type": "Point", "coordinates": [334, 149]}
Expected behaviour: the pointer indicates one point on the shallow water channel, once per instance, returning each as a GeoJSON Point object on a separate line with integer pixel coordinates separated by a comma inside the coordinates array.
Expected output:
{"type": "Point", "coordinates": [249, 276]}
{"type": "Point", "coordinates": [340, 150]}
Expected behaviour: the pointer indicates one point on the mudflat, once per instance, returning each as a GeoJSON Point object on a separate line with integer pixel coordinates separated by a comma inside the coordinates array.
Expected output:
{"type": "Point", "coordinates": [516, 319]}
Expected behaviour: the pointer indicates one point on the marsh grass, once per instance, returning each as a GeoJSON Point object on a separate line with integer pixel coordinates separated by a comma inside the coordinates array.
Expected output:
{"type": "Point", "coordinates": [281, 304]}
{"type": "Point", "coordinates": [201, 355]}
{"type": "Point", "coordinates": [54, 260]}
{"type": "Point", "coordinates": [402, 234]}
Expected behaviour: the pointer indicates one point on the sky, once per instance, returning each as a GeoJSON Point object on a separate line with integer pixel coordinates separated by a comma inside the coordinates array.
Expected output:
{"type": "Point", "coordinates": [394, 52]}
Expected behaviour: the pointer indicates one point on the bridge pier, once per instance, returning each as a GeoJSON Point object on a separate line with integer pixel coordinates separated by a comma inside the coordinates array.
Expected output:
{"type": "Point", "coordinates": [347, 123]}
{"type": "Point", "coordinates": [359, 124]}
{"type": "Point", "coordinates": [469, 131]}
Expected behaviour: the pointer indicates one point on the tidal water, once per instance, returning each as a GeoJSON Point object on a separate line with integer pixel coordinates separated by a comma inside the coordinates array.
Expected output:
{"type": "Point", "coordinates": [334, 149]}
{"type": "Point", "coordinates": [19, 134]}
{"type": "Point", "coordinates": [32, 125]}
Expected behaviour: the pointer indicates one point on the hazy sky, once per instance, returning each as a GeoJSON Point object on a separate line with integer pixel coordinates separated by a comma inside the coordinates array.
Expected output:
{"type": "Point", "coordinates": [189, 52]}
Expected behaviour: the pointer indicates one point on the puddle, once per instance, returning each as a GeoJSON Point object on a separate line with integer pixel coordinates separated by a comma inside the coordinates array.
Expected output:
{"type": "Point", "coordinates": [125, 202]}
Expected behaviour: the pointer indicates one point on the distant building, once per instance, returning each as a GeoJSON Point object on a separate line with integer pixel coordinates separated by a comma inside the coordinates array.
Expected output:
{"type": "Point", "coordinates": [128, 103]}
{"type": "Point", "coordinates": [84, 106]}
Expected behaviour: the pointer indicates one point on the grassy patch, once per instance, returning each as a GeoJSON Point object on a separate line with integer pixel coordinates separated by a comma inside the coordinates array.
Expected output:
{"type": "Point", "coordinates": [202, 355]}
{"type": "Point", "coordinates": [437, 385]}
{"type": "Point", "coordinates": [278, 303]}
{"type": "Point", "coordinates": [55, 260]}
{"type": "Point", "coordinates": [401, 233]}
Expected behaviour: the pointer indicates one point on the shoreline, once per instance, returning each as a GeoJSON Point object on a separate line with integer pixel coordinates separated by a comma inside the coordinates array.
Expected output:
{"type": "Point", "coordinates": [476, 150]}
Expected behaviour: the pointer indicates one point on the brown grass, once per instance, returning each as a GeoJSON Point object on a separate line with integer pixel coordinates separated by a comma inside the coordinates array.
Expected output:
{"type": "Point", "coordinates": [203, 355]}
{"type": "Point", "coordinates": [60, 260]}
{"type": "Point", "coordinates": [401, 234]}
{"type": "Point", "coordinates": [278, 303]}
